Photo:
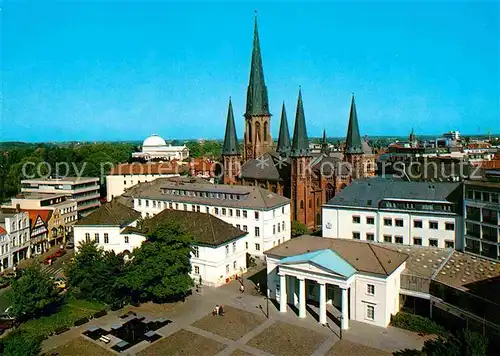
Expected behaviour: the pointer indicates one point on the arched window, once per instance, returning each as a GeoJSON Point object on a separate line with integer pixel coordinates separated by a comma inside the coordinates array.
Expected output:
{"type": "Point", "coordinates": [265, 131]}
{"type": "Point", "coordinates": [302, 204]}
{"type": "Point", "coordinates": [249, 132]}
{"type": "Point", "coordinates": [330, 192]}
{"type": "Point", "coordinates": [257, 131]}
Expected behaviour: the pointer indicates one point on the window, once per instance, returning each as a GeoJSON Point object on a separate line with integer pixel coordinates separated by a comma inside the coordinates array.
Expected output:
{"type": "Point", "coordinates": [216, 211]}
{"type": "Point", "coordinates": [356, 235]}
{"type": "Point", "coordinates": [246, 245]}
{"type": "Point", "coordinates": [387, 222]}
{"type": "Point", "coordinates": [196, 270]}
{"type": "Point", "coordinates": [177, 206]}
{"type": "Point", "coordinates": [257, 247]}
{"type": "Point", "coordinates": [449, 244]}
{"type": "Point", "coordinates": [96, 237]}
{"type": "Point", "coordinates": [193, 208]}
{"type": "Point", "coordinates": [227, 269]}
{"type": "Point", "coordinates": [279, 228]}
{"type": "Point", "coordinates": [126, 239]}
{"type": "Point", "coordinates": [139, 202]}
{"type": "Point", "coordinates": [87, 237]}
{"type": "Point", "coordinates": [154, 203]}
{"type": "Point", "coordinates": [185, 206]}
{"type": "Point", "coordinates": [196, 251]}
{"type": "Point", "coordinates": [433, 225]}
{"type": "Point", "coordinates": [198, 208]}
{"type": "Point", "coordinates": [147, 202]}
{"type": "Point", "coordinates": [370, 237]}
{"type": "Point", "coordinates": [370, 220]}
{"type": "Point", "coordinates": [370, 289]}
{"type": "Point", "coordinates": [449, 226]}
{"type": "Point", "coordinates": [244, 214]}
{"type": "Point", "coordinates": [417, 224]}
{"type": "Point", "coordinates": [387, 238]}
{"type": "Point", "coordinates": [356, 219]}
{"type": "Point", "coordinates": [207, 210]}
{"type": "Point", "coordinates": [283, 225]}
{"type": "Point", "coordinates": [257, 232]}
{"type": "Point", "coordinates": [433, 242]}
{"type": "Point", "coordinates": [256, 215]}
{"type": "Point", "coordinates": [238, 213]}
{"type": "Point", "coordinates": [417, 241]}
{"type": "Point", "coordinates": [223, 211]}
{"type": "Point", "coordinates": [282, 210]}
{"type": "Point", "coordinates": [227, 250]}
{"type": "Point", "coordinates": [274, 229]}
{"type": "Point", "coordinates": [230, 212]}
{"type": "Point", "coordinates": [238, 226]}
{"type": "Point", "coordinates": [398, 239]}
{"type": "Point", "coordinates": [398, 222]}
{"type": "Point", "coordinates": [234, 247]}
{"type": "Point", "coordinates": [106, 238]}
{"type": "Point", "coordinates": [234, 265]}
{"type": "Point", "coordinates": [370, 312]}
{"type": "Point", "coordinates": [245, 228]}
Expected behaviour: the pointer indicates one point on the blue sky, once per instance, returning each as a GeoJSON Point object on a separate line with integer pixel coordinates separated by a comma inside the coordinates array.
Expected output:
{"type": "Point", "coordinates": [121, 71]}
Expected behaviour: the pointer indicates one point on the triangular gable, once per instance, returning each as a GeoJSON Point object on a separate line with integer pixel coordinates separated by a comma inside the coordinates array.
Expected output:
{"type": "Point", "coordinates": [326, 259]}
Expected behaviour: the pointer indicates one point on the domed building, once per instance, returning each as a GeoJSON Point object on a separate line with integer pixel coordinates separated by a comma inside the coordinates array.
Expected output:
{"type": "Point", "coordinates": [154, 148]}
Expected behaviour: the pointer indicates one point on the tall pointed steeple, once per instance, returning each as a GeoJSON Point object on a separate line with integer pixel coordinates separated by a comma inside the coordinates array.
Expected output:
{"type": "Point", "coordinates": [283, 147]}
{"type": "Point", "coordinates": [353, 139]}
{"type": "Point", "coordinates": [324, 143]}
{"type": "Point", "coordinates": [230, 147]}
{"type": "Point", "coordinates": [257, 102]}
{"type": "Point", "coordinates": [300, 142]}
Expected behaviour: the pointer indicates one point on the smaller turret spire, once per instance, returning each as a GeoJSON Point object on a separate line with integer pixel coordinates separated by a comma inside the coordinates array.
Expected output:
{"type": "Point", "coordinates": [283, 147]}
{"type": "Point", "coordinates": [300, 142]}
{"type": "Point", "coordinates": [324, 143]}
{"type": "Point", "coordinates": [353, 139]}
{"type": "Point", "coordinates": [230, 147]}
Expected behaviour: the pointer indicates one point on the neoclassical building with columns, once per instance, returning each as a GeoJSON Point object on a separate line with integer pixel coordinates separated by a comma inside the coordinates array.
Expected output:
{"type": "Point", "coordinates": [336, 278]}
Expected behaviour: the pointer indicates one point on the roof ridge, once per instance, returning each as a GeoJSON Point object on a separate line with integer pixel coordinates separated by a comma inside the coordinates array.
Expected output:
{"type": "Point", "coordinates": [211, 227]}
{"type": "Point", "coordinates": [378, 259]}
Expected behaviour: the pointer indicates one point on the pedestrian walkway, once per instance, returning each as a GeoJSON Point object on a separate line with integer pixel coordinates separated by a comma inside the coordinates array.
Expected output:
{"type": "Point", "coordinates": [50, 270]}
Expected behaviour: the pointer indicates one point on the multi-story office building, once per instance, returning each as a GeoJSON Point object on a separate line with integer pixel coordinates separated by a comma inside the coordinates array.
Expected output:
{"type": "Point", "coordinates": [264, 215]}
{"type": "Point", "coordinates": [14, 237]}
{"type": "Point", "coordinates": [396, 211]}
{"type": "Point", "coordinates": [84, 190]}
{"type": "Point", "coordinates": [481, 212]}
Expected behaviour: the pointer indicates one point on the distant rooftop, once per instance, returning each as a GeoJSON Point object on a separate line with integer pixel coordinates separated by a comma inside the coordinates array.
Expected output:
{"type": "Point", "coordinates": [70, 180]}
{"type": "Point", "coordinates": [148, 168]}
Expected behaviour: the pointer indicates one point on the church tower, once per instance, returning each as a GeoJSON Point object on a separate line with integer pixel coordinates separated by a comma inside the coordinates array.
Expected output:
{"type": "Point", "coordinates": [283, 147]}
{"type": "Point", "coordinates": [257, 117]}
{"type": "Point", "coordinates": [353, 153]}
{"type": "Point", "coordinates": [301, 175]}
{"type": "Point", "coordinates": [324, 144]}
{"type": "Point", "coordinates": [230, 150]}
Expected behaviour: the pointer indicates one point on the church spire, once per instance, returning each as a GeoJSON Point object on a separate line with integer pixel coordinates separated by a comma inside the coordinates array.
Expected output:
{"type": "Point", "coordinates": [300, 142]}
{"type": "Point", "coordinates": [283, 147]}
{"type": "Point", "coordinates": [257, 101]}
{"type": "Point", "coordinates": [324, 143]}
{"type": "Point", "coordinates": [353, 139]}
{"type": "Point", "coordinates": [230, 147]}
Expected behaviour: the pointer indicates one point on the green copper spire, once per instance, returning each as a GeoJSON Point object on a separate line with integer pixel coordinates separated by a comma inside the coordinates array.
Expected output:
{"type": "Point", "coordinates": [353, 140]}
{"type": "Point", "coordinates": [230, 147]}
{"type": "Point", "coordinates": [283, 147]}
{"type": "Point", "coordinates": [324, 143]}
{"type": "Point", "coordinates": [257, 102]}
{"type": "Point", "coordinates": [300, 142]}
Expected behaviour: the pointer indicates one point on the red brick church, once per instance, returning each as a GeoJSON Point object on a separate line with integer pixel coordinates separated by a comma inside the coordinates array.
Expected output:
{"type": "Point", "coordinates": [289, 168]}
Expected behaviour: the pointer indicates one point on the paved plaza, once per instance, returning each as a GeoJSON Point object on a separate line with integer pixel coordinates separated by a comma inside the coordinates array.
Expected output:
{"type": "Point", "coordinates": [243, 330]}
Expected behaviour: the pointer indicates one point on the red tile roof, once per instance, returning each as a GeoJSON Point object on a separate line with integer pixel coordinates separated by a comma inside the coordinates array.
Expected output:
{"type": "Point", "coordinates": [2, 231]}
{"type": "Point", "coordinates": [33, 214]}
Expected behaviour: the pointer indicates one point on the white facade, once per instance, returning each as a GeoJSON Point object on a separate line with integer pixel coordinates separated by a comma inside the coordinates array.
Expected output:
{"type": "Point", "coordinates": [362, 297]}
{"type": "Point", "coordinates": [266, 228]}
{"type": "Point", "coordinates": [117, 183]}
{"type": "Point", "coordinates": [14, 245]}
{"type": "Point", "coordinates": [155, 147]}
{"type": "Point", "coordinates": [211, 265]}
{"type": "Point", "coordinates": [397, 226]}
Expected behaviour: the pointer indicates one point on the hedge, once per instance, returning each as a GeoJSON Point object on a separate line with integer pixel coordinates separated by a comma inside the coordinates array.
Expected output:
{"type": "Point", "coordinates": [417, 324]}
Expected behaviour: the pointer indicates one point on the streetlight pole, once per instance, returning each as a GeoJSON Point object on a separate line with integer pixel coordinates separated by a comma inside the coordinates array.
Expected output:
{"type": "Point", "coordinates": [267, 304]}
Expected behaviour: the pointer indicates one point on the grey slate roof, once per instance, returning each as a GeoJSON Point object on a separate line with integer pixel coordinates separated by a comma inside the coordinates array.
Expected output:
{"type": "Point", "coordinates": [270, 166]}
{"type": "Point", "coordinates": [112, 213]}
{"type": "Point", "coordinates": [370, 192]}
{"type": "Point", "coordinates": [252, 197]}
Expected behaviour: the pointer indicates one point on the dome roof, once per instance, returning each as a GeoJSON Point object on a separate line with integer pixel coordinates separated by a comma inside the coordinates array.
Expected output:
{"type": "Point", "coordinates": [154, 141]}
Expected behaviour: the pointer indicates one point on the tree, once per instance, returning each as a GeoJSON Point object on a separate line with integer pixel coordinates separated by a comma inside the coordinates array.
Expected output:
{"type": "Point", "coordinates": [21, 343]}
{"type": "Point", "coordinates": [464, 343]}
{"type": "Point", "coordinates": [160, 268]}
{"type": "Point", "coordinates": [94, 274]}
{"type": "Point", "coordinates": [299, 229]}
{"type": "Point", "coordinates": [32, 294]}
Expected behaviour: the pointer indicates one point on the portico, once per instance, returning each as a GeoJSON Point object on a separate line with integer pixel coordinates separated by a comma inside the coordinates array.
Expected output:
{"type": "Point", "coordinates": [324, 269]}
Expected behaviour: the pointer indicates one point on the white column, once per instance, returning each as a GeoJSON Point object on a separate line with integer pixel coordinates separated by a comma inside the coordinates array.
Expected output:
{"type": "Point", "coordinates": [345, 314]}
{"type": "Point", "coordinates": [282, 293]}
{"type": "Point", "coordinates": [302, 298]}
{"type": "Point", "coordinates": [322, 303]}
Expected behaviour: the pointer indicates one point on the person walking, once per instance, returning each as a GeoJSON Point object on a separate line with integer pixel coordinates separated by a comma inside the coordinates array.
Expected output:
{"type": "Point", "coordinates": [242, 289]}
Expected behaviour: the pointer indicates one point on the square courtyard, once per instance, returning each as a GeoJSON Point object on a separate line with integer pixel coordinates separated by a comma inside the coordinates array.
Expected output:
{"type": "Point", "coordinates": [283, 339]}
{"type": "Point", "coordinates": [233, 325]}
{"type": "Point", "coordinates": [183, 343]}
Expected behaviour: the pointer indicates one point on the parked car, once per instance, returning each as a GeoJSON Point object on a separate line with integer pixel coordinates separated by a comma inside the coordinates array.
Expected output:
{"type": "Point", "coordinates": [70, 245]}
{"type": "Point", "coordinates": [48, 259]}
{"type": "Point", "coordinates": [60, 284]}
{"type": "Point", "coordinates": [59, 253]}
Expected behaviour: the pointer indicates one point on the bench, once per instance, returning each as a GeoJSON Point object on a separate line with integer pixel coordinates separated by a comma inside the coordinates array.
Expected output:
{"type": "Point", "coordinates": [105, 339]}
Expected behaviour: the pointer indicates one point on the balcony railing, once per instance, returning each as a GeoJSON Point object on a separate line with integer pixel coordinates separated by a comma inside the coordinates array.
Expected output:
{"type": "Point", "coordinates": [415, 283]}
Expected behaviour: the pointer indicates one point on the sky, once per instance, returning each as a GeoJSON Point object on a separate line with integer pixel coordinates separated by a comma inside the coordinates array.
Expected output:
{"type": "Point", "coordinates": [110, 70]}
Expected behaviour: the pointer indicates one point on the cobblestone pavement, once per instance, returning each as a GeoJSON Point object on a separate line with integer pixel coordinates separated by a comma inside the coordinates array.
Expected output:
{"type": "Point", "coordinates": [201, 304]}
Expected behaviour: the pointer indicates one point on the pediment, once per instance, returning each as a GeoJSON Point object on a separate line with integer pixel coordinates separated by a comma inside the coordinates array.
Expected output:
{"type": "Point", "coordinates": [311, 267]}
